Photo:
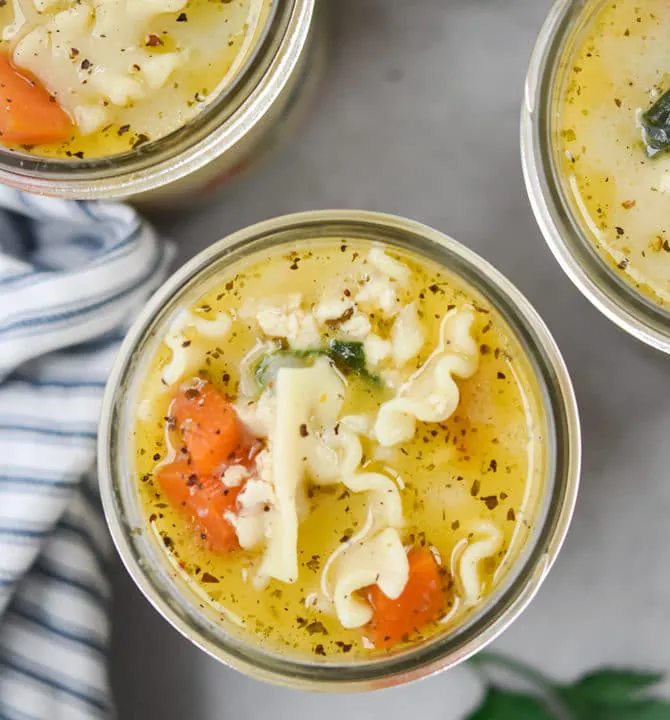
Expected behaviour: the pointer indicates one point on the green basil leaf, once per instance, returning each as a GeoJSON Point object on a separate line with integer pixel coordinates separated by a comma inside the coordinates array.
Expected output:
{"type": "Point", "coordinates": [502, 705]}
{"type": "Point", "coordinates": [656, 126]}
{"type": "Point", "coordinates": [611, 685]}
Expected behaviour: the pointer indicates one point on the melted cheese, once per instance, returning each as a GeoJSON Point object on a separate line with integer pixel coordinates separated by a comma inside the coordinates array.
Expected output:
{"type": "Point", "coordinates": [431, 394]}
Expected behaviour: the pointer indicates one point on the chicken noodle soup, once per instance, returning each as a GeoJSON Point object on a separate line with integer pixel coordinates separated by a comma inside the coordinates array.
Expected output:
{"type": "Point", "coordinates": [620, 189]}
{"type": "Point", "coordinates": [100, 77]}
{"type": "Point", "coordinates": [342, 446]}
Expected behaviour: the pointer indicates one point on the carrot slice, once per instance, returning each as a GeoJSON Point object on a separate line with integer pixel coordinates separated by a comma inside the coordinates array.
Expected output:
{"type": "Point", "coordinates": [421, 602]}
{"type": "Point", "coordinates": [204, 500]}
{"type": "Point", "coordinates": [28, 114]}
{"type": "Point", "coordinates": [209, 426]}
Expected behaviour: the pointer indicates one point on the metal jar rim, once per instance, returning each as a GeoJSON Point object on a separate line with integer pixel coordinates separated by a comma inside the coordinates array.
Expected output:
{"type": "Point", "coordinates": [529, 568]}
{"type": "Point", "coordinates": [563, 232]}
{"type": "Point", "coordinates": [219, 128]}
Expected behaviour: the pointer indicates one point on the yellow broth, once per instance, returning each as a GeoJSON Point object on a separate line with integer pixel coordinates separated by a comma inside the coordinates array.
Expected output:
{"type": "Point", "coordinates": [619, 67]}
{"type": "Point", "coordinates": [486, 462]}
{"type": "Point", "coordinates": [218, 36]}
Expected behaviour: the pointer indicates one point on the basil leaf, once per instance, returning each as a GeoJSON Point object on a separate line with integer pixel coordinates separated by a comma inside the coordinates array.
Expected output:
{"type": "Point", "coordinates": [501, 705]}
{"type": "Point", "coordinates": [656, 126]}
{"type": "Point", "coordinates": [612, 685]}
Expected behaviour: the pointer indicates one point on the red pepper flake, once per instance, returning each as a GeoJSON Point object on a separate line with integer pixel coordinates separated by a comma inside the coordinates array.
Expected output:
{"type": "Point", "coordinates": [153, 41]}
{"type": "Point", "coordinates": [628, 204]}
{"type": "Point", "coordinates": [209, 578]}
{"type": "Point", "coordinates": [182, 17]}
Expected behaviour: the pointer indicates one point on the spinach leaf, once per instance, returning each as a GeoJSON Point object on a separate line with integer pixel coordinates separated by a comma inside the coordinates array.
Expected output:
{"type": "Point", "coordinates": [656, 126]}
{"type": "Point", "coordinates": [268, 366]}
{"type": "Point", "coordinates": [347, 356]}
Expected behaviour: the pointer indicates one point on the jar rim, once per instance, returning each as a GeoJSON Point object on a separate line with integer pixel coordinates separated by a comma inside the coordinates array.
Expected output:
{"type": "Point", "coordinates": [219, 127]}
{"type": "Point", "coordinates": [527, 571]}
{"type": "Point", "coordinates": [563, 231]}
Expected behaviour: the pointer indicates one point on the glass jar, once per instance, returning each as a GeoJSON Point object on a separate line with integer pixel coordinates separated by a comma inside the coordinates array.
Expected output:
{"type": "Point", "coordinates": [173, 596]}
{"type": "Point", "coordinates": [561, 223]}
{"type": "Point", "coordinates": [233, 133]}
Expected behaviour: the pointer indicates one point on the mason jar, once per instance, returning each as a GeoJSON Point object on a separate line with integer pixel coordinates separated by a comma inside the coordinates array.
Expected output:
{"type": "Point", "coordinates": [233, 133]}
{"type": "Point", "coordinates": [562, 222]}
{"type": "Point", "coordinates": [174, 597]}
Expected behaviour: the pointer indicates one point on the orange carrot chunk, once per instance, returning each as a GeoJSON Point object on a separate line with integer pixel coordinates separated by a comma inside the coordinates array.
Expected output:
{"type": "Point", "coordinates": [204, 500]}
{"type": "Point", "coordinates": [28, 114]}
{"type": "Point", "coordinates": [421, 602]}
{"type": "Point", "coordinates": [209, 426]}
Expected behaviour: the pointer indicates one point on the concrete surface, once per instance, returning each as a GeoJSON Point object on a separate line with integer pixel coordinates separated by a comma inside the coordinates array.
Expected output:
{"type": "Point", "coordinates": [418, 115]}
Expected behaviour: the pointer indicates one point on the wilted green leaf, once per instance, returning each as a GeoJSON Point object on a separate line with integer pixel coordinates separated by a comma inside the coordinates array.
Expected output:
{"type": "Point", "coordinates": [502, 705]}
{"type": "Point", "coordinates": [348, 355]}
{"type": "Point", "coordinates": [656, 126]}
{"type": "Point", "coordinates": [269, 365]}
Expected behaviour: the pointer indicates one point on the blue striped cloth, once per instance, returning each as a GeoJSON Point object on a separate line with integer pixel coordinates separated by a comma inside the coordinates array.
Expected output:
{"type": "Point", "coordinates": [72, 274]}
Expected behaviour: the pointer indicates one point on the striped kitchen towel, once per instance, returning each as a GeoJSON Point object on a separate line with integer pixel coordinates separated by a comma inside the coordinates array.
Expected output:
{"type": "Point", "coordinates": [72, 275]}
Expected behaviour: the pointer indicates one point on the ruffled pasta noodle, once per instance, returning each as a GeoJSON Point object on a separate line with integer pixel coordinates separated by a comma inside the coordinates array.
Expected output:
{"type": "Point", "coordinates": [487, 540]}
{"type": "Point", "coordinates": [382, 561]}
{"type": "Point", "coordinates": [431, 394]}
{"type": "Point", "coordinates": [186, 354]}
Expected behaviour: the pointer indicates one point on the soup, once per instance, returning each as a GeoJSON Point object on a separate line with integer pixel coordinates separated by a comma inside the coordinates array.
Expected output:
{"type": "Point", "coordinates": [619, 188]}
{"type": "Point", "coordinates": [93, 79]}
{"type": "Point", "coordinates": [341, 448]}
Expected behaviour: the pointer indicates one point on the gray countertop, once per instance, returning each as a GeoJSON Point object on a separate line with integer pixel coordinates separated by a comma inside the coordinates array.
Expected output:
{"type": "Point", "coordinates": [418, 115]}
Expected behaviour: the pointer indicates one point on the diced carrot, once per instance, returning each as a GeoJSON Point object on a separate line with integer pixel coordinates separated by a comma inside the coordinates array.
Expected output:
{"type": "Point", "coordinates": [420, 603]}
{"type": "Point", "coordinates": [204, 500]}
{"type": "Point", "coordinates": [209, 426]}
{"type": "Point", "coordinates": [28, 114]}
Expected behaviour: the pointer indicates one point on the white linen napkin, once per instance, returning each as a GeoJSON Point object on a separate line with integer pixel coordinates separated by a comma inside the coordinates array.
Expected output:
{"type": "Point", "coordinates": [72, 275]}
